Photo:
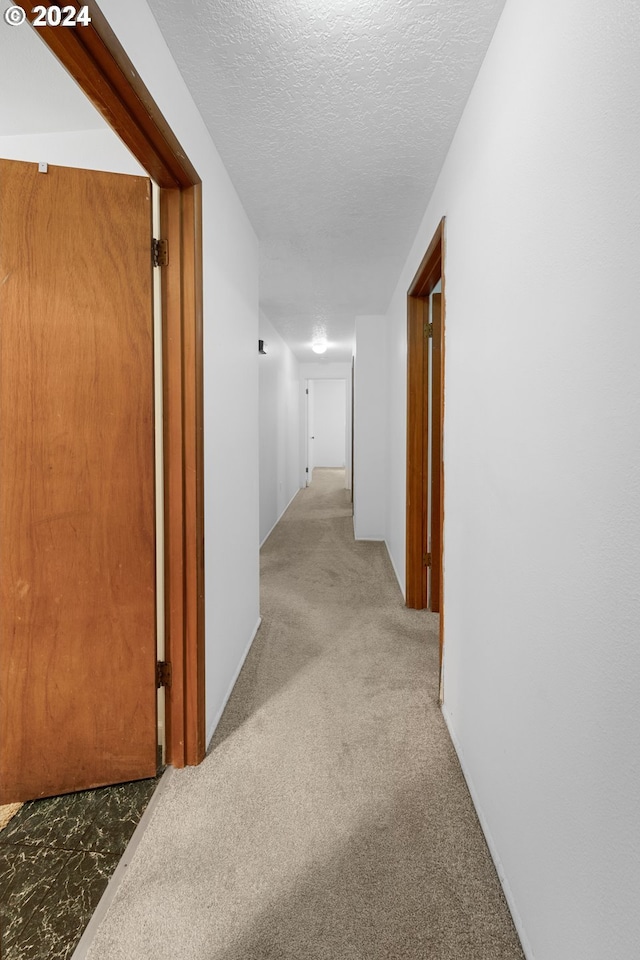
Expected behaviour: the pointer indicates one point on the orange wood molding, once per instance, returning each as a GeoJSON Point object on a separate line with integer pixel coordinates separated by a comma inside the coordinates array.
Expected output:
{"type": "Point", "coordinates": [95, 58]}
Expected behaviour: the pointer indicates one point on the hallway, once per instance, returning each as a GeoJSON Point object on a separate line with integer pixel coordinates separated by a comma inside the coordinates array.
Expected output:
{"type": "Point", "coordinates": [330, 818]}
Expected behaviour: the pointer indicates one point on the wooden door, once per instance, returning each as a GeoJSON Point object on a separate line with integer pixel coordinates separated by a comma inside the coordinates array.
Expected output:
{"type": "Point", "coordinates": [310, 427]}
{"type": "Point", "coordinates": [77, 512]}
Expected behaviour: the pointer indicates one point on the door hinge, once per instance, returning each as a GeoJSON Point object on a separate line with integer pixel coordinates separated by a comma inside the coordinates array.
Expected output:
{"type": "Point", "coordinates": [306, 469]}
{"type": "Point", "coordinates": [426, 559]}
{"type": "Point", "coordinates": [428, 330]}
{"type": "Point", "coordinates": [163, 674]}
{"type": "Point", "coordinates": [307, 392]}
{"type": "Point", "coordinates": [160, 252]}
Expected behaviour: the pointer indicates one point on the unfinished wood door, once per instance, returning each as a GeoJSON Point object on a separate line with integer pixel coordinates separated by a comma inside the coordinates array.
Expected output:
{"type": "Point", "coordinates": [77, 512]}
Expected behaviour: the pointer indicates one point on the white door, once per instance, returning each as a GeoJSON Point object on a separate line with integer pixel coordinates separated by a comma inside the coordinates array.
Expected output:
{"type": "Point", "coordinates": [329, 423]}
{"type": "Point", "coordinates": [310, 422]}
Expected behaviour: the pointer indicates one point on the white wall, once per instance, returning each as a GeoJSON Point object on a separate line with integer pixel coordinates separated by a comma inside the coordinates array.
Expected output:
{"type": "Point", "coordinates": [230, 357]}
{"type": "Point", "coordinates": [279, 428]}
{"type": "Point", "coordinates": [325, 371]}
{"type": "Point", "coordinates": [87, 149]}
{"type": "Point", "coordinates": [371, 429]}
{"type": "Point", "coordinates": [327, 424]}
{"type": "Point", "coordinates": [542, 465]}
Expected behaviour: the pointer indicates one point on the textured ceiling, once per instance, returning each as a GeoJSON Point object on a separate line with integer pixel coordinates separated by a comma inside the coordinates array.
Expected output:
{"type": "Point", "coordinates": [333, 118]}
{"type": "Point", "coordinates": [39, 96]}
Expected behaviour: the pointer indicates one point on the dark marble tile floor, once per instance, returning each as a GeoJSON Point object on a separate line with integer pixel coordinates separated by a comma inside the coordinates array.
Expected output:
{"type": "Point", "coordinates": [56, 858]}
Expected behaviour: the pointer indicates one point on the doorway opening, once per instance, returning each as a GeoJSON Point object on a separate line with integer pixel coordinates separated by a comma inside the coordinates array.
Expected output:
{"type": "Point", "coordinates": [326, 420]}
{"type": "Point", "coordinates": [425, 412]}
{"type": "Point", "coordinates": [93, 56]}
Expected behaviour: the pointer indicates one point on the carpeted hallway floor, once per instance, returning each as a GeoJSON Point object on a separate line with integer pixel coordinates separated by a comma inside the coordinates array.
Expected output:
{"type": "Point", "coordinates": [330, 820]}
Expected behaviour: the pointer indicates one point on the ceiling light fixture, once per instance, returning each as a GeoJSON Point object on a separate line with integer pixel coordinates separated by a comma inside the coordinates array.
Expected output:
{"type": "Point", "coordinates": [319, 346]}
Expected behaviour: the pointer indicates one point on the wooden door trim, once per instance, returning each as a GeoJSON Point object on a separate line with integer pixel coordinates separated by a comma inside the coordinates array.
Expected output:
{"type": "Point", "coordinates": [417, 398]}
{"type": "Point", "coordinates": [436, 452]}
{"type": "Point", "coordinates": [429, 272]}
{"type": "Point", "coordinates": [353, 426]}
{"type": "Point", "coordinates": [95, 58]}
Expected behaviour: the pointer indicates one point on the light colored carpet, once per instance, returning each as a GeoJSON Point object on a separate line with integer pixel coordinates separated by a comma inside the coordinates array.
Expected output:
{"type": "Point", "coordinates": [7, 812]}
{"type": "Point", "coordinates": [330, 820]}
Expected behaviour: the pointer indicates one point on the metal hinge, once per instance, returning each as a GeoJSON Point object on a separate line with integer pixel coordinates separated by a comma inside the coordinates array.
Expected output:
{"type": "Point", "coordinates": [306, 469]}
{"type": "Point", "coordinates": [163, 674]}
{"type": "Point", "coordinates": [160, 252]}
{"type": "Point", "coordinates": [426, 559]}
{"type": "Point", "coordinates": [428, 330]}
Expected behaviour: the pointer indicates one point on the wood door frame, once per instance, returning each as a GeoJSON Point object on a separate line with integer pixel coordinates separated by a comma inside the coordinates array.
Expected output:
{"type": "Point", "coordinates": [353, 426]}
{"type": "Point", "coordinates": [420, 394]}
{"type": "Point", "coordinates": [97, 61]}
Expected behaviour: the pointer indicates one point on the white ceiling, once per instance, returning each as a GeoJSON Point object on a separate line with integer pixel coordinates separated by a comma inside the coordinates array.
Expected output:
{"type": "Point", "coordinates": [38, 95]}
{"type": "Point", "coordinates": [333, 118]}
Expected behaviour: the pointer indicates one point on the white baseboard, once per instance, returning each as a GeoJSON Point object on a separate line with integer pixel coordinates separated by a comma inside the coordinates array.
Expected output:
{"type": "Point", "coordinates": [376, 539]}
{"type": "Point", "coordinates": [216, 719]}
{"type": "Point", "coordinates": [106, 899]}
{"type": "Point", "coordinates": [281, 516]}
{"type": "Point", "coordinates": [395, 570]}
{"type": "Point", "coordinates": [517, 919]}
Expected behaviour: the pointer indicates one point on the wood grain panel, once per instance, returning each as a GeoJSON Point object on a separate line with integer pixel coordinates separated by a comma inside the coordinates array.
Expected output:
{"type": "Point", "coordinates": [174, 532]}
{"type": "Point", "coordinates": [442, 340]}
{"type": "Point", "coordinates": [194, 474]}
{"type": "Point", "coordinates": [424, 407]}
{"type": "Point", "coordinates": [184, 472]}
{"type": "Point", "coordinates": [77, 512]}
{"type": "Point", "coordinates": [96, 59]}
{"type": "Point", "coordinates": [436, 454]}
{"type": "Point", "coordinates": [416, 573]}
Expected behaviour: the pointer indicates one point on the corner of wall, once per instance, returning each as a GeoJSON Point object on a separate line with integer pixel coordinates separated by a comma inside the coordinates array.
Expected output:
{"type": "Point", "coordinates": [370, 429]}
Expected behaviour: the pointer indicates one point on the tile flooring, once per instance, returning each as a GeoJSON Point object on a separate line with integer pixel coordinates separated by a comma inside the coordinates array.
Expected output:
{"type": "Point", "coordinates": [56, 858]}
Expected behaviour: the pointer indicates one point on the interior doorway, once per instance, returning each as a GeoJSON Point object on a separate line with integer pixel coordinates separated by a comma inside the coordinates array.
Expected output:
{"type": "Point", "coordinates": [96, 60]}
{"type": "Point", "coordinates": [326, 425]}
{"type": "Point", "coordinates": [425, 412]}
